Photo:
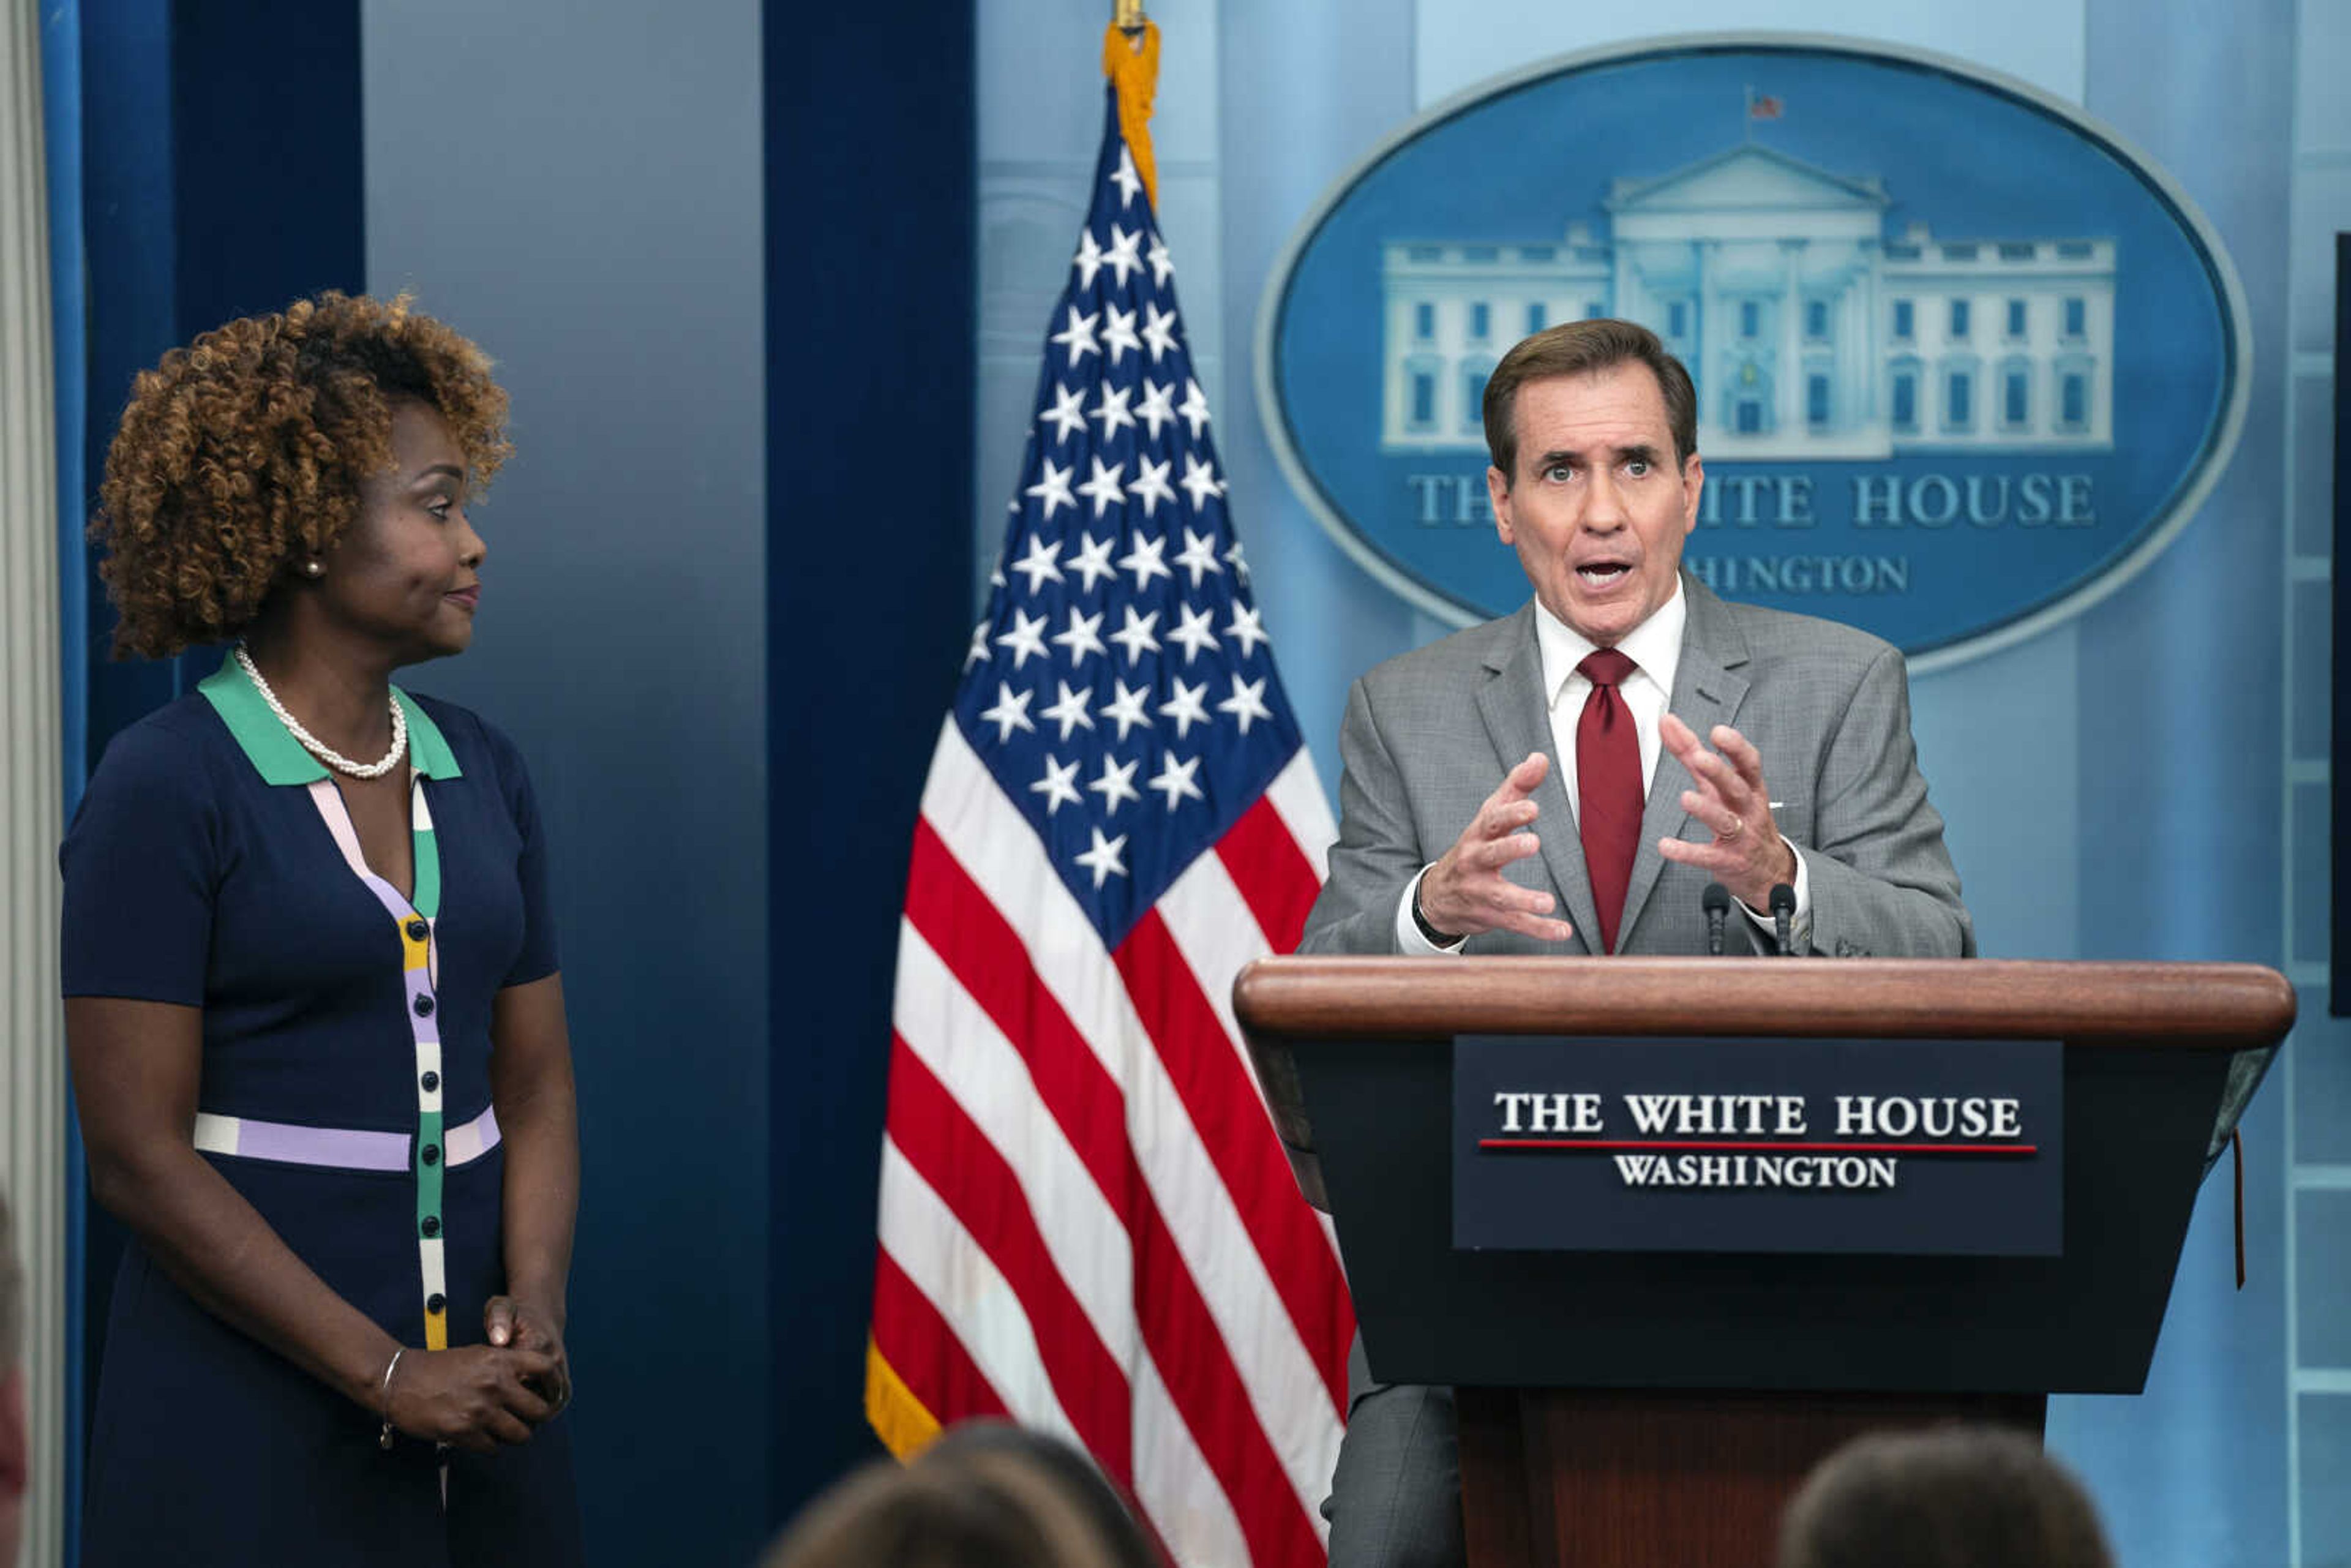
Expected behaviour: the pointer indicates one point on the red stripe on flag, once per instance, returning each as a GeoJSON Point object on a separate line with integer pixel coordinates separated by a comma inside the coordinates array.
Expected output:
{"type": "Point", "coordinates": [1238, 1134]}
{"type": "Point", "coordinates": [1208, 1392]}
{"type": "Point", "coordinates": [972, 1177]}
{"type": "Point", "coordinates": [976, 942]}
{"type": "Point", "coordinates": [1275, 878]}
{"type": "Point", "coordinates": [925, 1352]}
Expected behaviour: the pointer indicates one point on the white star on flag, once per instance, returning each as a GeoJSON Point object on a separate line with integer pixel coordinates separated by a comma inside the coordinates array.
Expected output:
{"type": "Point", "coordinates": [1174, 779]}
{"type": "Point", "coordinates": [1135, 635]}
{"type": "Point", "coordinates": [1193, 631]}
{"type": "Point", "coordinates": [1245, 629]}
{"type": "Point", "coordinates": [1111, 409]}
{"type": "Point", "coordinates": [1104, 488]}
{"type": "Point", "coordinates": [1066, 414]}
{"type": "Point", "coordinates": [1079, 335]}
{"type": "Point", "coordinates": [1088, 261]}
{"type": "Point", "coordinates": [1159, 331]}
{"type": "Point", "coordinates": [978, 646]}
{"type": "Point", "coordinates": [1200, 553]}
{"type": "Point", "coordinates": [1041, 564]}
{"type": "Point", "coordinates": [1059, 785]}
{"type": "Point", "coordinates": [1129, 183]}
{"type": "Point", "coordinates": [1186, 707]}
{"type": "Point", "coordinates": [1143, 559]}
{"type": "Point", "coordinates": [1069, 710]}
{"type": "Point", "coordinates": [1158, 407]}
{"type": "Point", "coordinates": [1053, 487]}
{"type": "Point", "coordinates": [1194, 406]}
{"type": "Point", "coordinates": [1103, 859]}
{"type": "Point", "coordinates": [1199, 482]}
{"type": "Point", "coordinates": [1163, 267]}
{"type": "Point", "coordinates": [1118, 333]}
{"type": "Point", "coordinates": [1084, 636]}
{"type": "Point", "coordinates": [1125, 710]}
{"type": "Point", "coordinates": [1010, 712]}
{"type": "Point", "coordinates": [1116, 785]}
{"type": "Point", "coordinates": [1092, 562]}
{"type": "Point", "coordinates": [1246, 704]}
{"type": "Point", "coordinates": [1025, 637]}
{"type": "Point", "coordinates": [1151, 485]}
{"type": "Point", "coordinates": [1124, 257]}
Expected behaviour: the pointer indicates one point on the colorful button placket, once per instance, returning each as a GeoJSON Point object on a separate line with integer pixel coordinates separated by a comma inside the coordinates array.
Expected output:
{"type": "Point", "coordinates": [421, 968]}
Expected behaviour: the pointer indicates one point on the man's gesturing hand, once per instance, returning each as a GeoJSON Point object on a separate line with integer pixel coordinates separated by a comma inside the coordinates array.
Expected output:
{"type": "Point", "coordinates": [1748, 855]}
{"type": "Point", "coordinates": [1465, 894]}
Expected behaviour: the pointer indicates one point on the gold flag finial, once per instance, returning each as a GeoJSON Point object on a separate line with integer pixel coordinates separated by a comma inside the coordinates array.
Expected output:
{"type": "Point", "coordinates": [1130, 60]}
{"type": "Point", "coordinates": [1126, 15]}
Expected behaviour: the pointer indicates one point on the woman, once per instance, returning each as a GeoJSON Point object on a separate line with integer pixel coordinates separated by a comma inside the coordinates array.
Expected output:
{"type": "Point", "coordinates": [311, 992]}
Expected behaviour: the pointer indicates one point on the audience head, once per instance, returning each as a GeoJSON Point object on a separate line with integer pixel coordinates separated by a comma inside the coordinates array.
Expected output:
{"type": "Point", "coordinates": [985, 1495]}
{"type": "Point", "coordinates": [1953, 1497]}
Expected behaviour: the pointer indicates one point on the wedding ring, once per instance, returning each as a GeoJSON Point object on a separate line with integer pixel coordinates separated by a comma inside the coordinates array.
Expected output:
{"type": "Point", "coordinates": [1738, 826]}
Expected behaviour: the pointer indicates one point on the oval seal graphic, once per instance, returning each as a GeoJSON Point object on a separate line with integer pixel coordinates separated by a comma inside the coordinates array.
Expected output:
{"type": "Point", "coordinates": [1965, 360]}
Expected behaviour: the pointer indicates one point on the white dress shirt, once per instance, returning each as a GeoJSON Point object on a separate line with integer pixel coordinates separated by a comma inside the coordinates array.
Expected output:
{"type": "Point", "coordinates": [1655, 646]}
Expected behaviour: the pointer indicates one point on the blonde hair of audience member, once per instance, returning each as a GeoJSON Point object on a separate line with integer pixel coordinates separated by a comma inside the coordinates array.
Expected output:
{"type": "Point", "coordinates": [16, 1439]}
{"type": "Point", "coordinates": [985, 1496]}
{"type": "Point", "coordinates": [1952, 1497]}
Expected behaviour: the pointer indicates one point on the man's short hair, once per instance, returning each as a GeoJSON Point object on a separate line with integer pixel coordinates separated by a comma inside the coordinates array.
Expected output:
{"type": "Point", "coordinates": [1583, 349]}
{"type": "Point", "coordinates": [1953, 1497]}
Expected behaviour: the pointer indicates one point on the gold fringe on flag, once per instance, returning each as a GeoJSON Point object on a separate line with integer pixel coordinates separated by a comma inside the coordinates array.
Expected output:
{"type": "Point", "coordinates": [1132, 65]}
{"type": "Point", "coordinates": [899, 1419]}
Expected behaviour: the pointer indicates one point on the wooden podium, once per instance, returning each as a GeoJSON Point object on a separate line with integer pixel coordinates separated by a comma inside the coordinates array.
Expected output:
{"type": "Point", "coordinates": [1659, 1407]}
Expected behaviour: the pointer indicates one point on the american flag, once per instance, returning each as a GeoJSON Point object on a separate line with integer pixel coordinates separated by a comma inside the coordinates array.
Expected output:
{"type": "Point", "coordinates": [1087, 1222]}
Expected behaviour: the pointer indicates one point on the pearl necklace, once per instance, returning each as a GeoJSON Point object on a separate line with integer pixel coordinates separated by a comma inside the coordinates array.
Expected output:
{"type": "Point", "coordinates": [319, 748]}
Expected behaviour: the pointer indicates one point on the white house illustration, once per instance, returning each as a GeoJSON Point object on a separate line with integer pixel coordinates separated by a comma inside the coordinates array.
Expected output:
{"type": "Point", "coordinates": [1810, 332]}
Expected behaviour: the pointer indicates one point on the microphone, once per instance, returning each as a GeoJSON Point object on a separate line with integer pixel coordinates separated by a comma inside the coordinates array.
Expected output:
{"type": "Point", "coordinates": [1716, 902]}
{"type": "Point", "coordinates": [1783, 911]}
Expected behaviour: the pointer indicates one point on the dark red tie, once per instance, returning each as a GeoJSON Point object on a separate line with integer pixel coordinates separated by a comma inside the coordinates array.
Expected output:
{"type": "Point", "coordinates": [1608, 785]}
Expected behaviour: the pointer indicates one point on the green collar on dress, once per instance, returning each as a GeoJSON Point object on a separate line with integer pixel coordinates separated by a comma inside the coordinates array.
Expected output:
{"type": "Point", "coordinates": [279, 759]}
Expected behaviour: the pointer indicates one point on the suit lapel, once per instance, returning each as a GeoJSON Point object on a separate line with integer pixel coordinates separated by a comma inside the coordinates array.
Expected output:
{"type": "Point", "coordinates": [1709, 687]}
{"type": "Point", "coordinates": [1517, 711]}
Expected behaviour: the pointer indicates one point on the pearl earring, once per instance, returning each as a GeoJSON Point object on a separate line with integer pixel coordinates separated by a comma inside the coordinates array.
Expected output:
{"type": "Point", "coordinates": [313, 569]}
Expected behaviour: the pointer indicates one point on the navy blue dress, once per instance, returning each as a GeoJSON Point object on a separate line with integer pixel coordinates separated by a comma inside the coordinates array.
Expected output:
{"type": "Point", "coordinates": [345, 1093]}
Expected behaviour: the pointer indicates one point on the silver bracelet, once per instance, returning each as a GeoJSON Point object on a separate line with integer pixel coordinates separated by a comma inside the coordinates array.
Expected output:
{"type": "Point", "coordinates": [384, 1395]}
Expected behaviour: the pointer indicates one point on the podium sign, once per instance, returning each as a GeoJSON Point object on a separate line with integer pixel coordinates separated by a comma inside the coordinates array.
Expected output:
{"type": "Point", "coordinates": [1905, 1147]}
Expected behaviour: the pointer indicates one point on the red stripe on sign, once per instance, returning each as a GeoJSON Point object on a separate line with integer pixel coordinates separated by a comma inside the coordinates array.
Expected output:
{"type": "Point", "coordinates": [1275, 878]}
{"type": "Point", "coordinates": [973, 1178]}
{"type": "Point", "coordinates": [1233, 1124]}
{"type": "Point", "coordinates": [1207, 1392]}
{"type": "Point", "coordinates": [974, 941]}
{"type": "Point", "coordinates": [925, 1352]}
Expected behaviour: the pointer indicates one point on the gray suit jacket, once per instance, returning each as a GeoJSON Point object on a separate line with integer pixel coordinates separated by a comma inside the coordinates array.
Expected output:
{"type": "Point", "coordinates": [1427, 736]}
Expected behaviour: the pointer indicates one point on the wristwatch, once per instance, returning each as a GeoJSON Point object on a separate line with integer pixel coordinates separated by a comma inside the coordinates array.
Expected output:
{"type": "Point", "coordinates": [1436, 938]}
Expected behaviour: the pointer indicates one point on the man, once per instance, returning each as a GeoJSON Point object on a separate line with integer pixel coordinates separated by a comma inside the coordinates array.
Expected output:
{"type": "Point", "coordinates": [1538, 784]}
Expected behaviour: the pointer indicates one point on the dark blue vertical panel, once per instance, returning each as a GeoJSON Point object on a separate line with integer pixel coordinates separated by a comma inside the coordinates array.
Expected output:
{"type": "Point", "coordinates": [265, 138]}
{"type": "Point", "coordinates": [61, 148]}
{"type": "Point", "coordinates": [218, 174]}
{"type": "Point", "coordinates": [871, 365]}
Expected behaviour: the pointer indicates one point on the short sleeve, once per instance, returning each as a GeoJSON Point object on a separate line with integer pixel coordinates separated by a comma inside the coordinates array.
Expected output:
{"type": "Point", "coordinates": [140, 868]}
{"type": "Point", "coordinates": [537, 958]}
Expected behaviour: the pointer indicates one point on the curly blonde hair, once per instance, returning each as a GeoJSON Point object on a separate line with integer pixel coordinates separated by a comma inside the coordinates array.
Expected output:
{"type": "Point", "coordinates": [246, 449]}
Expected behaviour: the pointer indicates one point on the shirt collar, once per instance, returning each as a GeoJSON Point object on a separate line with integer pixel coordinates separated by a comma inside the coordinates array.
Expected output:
{"type": "Point", "coordinates": [279, 759]}
{"type": "Point", "coordinates": [1656, 644]}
